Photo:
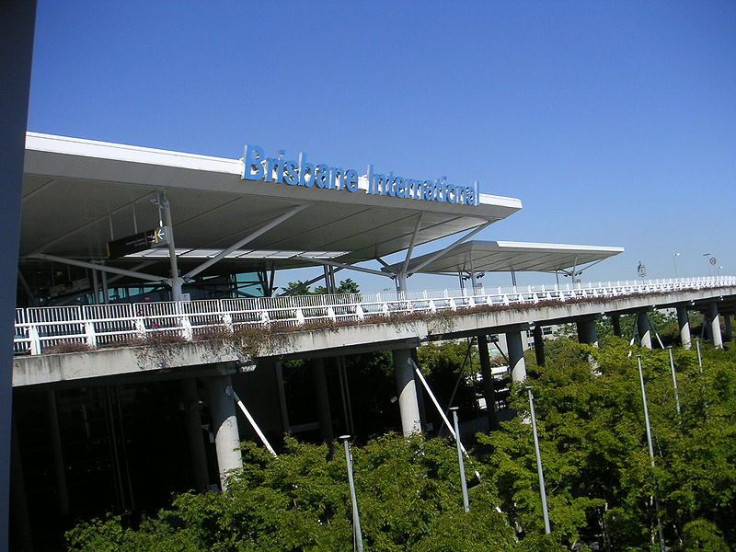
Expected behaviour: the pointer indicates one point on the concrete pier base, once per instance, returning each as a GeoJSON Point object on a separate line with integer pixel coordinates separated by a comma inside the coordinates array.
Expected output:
{"type": "Point", "coordinates": [225, 426]}
{"type": "Point", "coordinates": [714, 324]}
{"type": "Point", "coordinates": [587, 332]}
{"type": "Point", "coordinates": [323, 399]}
{"type": "Point", "coordinates": [411, 421]}
{"type": "Point", "coordinates": [683, 322]}
{"type": "Point", "coordinates": [616, 323]}
{"type": "Point", "coordinates": [23, 539]}
{"type": "Point", "coordinates": [58, 454]}
{"type": "Point", "coordinates": [489, 388]}
{"type": "Point", "coordinates": [539, 344]}
{"type": "Point", "coordinates": [517, 364]}
{"type": "Point", "coordinates": [645, 332]}
{"type": "Point", "coordinates": [197, 452]}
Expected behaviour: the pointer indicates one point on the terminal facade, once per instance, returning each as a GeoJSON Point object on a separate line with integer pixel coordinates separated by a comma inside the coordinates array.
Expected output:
{"type": "Point", "coordinates": [137, 266]}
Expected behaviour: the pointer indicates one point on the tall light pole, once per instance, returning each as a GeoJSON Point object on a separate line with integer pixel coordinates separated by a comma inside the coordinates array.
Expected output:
{"type": "Point", "coordinates": [674, 380]}
{"type": "Point", "coordinates": [651, 450]}
{"type": "Point", "coordinates": [674, 259]}
{"type": "Point", "coordinates": [464, 485]}
{"type": "Point", "coordinates": [707, 255]}
{"type": "Point", "coordinates": [357, 531]}
{"type": "Point", "coordinates": [540, 473]}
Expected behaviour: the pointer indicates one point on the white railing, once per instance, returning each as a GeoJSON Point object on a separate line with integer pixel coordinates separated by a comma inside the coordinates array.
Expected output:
{"type": "Point", "coordinates": [42, 328]}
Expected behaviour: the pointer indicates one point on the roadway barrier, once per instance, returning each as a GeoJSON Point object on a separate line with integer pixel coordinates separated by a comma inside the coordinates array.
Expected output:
{"type": "Point", "coordinates": [40, 329]}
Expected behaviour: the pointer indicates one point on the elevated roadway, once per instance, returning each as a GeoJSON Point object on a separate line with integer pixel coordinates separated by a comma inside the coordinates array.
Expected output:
{"type": "Point", "coordinates": [192, 334]}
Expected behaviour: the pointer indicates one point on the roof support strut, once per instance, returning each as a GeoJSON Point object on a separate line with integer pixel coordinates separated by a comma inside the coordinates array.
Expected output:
{"type": "Point", "coordinates": [249, 238]}
{"type": "Point", "coordinates": [450, 247]}
{"type": "Point", "coordinates": [100, 267]}
{"type": "Point", "coordinates": [305, 285]}
{"type": "Point", "coordinates": [402, 274]}
{"type": "Point", "coordinates": [346, 266]}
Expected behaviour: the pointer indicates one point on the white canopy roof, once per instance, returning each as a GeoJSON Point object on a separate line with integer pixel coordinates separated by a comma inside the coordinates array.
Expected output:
{"type": "Point", "coordinates": [507, 256]}
{"type": "Point", "coordinates": [80, 194]}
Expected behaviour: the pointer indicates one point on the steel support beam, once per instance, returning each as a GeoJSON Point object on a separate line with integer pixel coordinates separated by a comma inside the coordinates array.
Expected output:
{"type": "Point", "coordinates": [346, 266]}
{"type": "Point", "coordinates": [90, 224]}
{"type": "Point", "coordinates": [306, 285]}
{"type": "Point", "coordinates": [402, 275]}
{"type": "Point", "coordinates": [176, 281]}
{"type": "Point", "coordinates": [450, 247]}
{"type": "Point", "coordinates": [247, 239]}
{"type": "Point", "coordinates": [101, 268]}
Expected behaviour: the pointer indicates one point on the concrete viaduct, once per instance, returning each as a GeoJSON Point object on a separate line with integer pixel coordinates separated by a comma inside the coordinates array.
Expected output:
{"type": "Point", "coordinates": [217, 361]}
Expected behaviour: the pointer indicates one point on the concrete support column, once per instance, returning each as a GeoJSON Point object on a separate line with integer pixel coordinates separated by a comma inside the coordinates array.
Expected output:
{"type": "Point", "coordinates": [714, 322]}
{"type": "Point", "coordinates": [489, 388]}
{"type": "Point", "coordinates": [105, 289]}
{"type": "Point", "coordinates": [728, 335]}
{"type": "Point", "coordinates": [57, 452]}
{"type": "Point", "coordinates": [411, 421]}
{"type": "Point", "coordinates": [401, 281]}
{"type": "Point", "coordinates": [616, 323]}
{"type": "Point", "coordinates": [323, 399]}
{"type": "Point", "coordinates": [285, 424]}
{"type": "Point", "coordinates": [197, 452]}
{"type": "Point", "coordinates": [225, 426]}
{"type": "Point", "coordinates": [517, 364]}
{"type": "Point", "coordinates": [683, 322]}
{"type": "Point", "coordinates": [587, 332]}
{"type": "Point", "coordinates": [95, 287]}
{"type": "Point", "coordinates": [539, 344]}
{"type": "Point", "coordinates": [645, 332]}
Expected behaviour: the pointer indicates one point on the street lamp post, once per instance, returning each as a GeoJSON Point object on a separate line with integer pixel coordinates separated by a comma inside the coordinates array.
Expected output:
{"type": "Point", "coordinates": [463, 483]}
{"type": "Point", "coordinates": [674, 380]}
{"type": "Point", "coordinates": [540, 472]}
{"type": "Point", "coordinates": [651, 451]}
{"type": "Point", "coordinates": [357, 532]}
{"type": "Point", "coordinates": [674, 259]}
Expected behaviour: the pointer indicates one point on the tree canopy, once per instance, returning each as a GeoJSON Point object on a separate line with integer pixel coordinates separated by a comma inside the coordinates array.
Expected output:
{"type": "Point", "coordinates": [602, 491]}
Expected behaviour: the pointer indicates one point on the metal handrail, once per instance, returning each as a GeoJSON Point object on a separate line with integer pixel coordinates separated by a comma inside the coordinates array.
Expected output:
{"type": "Point", "coordinates": [37, 328]}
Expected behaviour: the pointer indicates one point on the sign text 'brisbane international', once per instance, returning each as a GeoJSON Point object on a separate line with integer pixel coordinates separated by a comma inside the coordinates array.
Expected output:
{"type": "Point", "coordinates": [281, 170]}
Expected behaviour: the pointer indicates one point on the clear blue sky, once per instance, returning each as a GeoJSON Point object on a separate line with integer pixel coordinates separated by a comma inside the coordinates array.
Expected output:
{"type": "Point", "coordinates": [613, 122]}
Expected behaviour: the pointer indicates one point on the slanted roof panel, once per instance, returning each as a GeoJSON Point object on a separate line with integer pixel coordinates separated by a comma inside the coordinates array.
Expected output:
{"type": "Point", "coordinates": [505, 256]}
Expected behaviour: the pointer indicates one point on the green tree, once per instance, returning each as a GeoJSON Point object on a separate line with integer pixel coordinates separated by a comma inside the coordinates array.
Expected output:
{"type": "Point", "coordinates": [408, 490]}
{"type": "Point", "coordinates": [599, 481]}
{"type": "Point", "coordinates": [345, 286]}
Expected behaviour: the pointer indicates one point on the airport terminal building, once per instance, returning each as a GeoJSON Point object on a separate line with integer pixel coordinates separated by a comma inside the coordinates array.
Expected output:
{"type": "Point", "coordinates": [146, 337]}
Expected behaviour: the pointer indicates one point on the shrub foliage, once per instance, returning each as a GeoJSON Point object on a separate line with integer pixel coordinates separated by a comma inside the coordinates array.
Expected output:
{"type": "Point", "coordinates": [600, 485]}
